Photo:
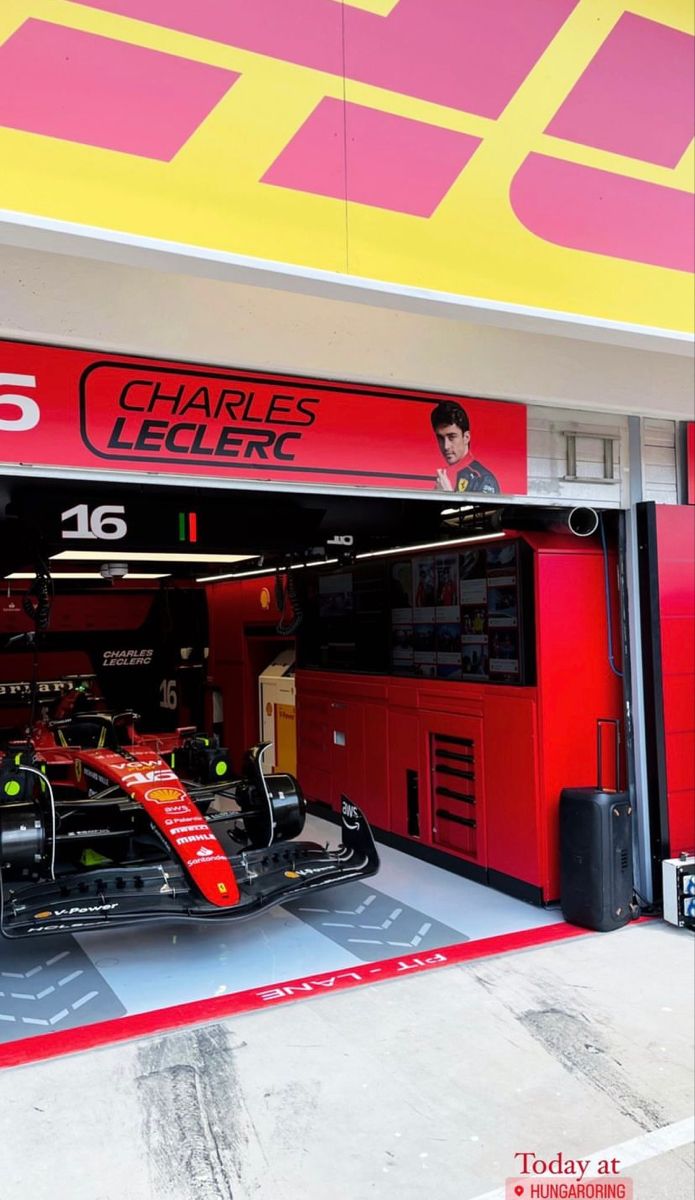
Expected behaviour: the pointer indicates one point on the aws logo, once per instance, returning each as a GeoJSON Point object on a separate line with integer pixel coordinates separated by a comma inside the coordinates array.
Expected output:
{"type": "Point", "coordinates": [350, 814]}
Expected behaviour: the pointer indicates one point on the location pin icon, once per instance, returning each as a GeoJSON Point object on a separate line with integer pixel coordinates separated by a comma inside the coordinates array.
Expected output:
{"type": "Point", "coordinates": [519, 1189]}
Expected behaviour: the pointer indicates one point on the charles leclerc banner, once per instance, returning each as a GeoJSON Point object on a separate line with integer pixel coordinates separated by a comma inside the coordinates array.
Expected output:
{"type": "Point", "coordinates": [78, 409]}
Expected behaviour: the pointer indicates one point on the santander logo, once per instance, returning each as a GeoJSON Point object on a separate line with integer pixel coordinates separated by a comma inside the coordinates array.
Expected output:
{"type": "Point", "coordinates": [203, 852]}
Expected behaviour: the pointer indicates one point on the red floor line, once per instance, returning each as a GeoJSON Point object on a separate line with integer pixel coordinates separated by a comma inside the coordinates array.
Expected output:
{"type": "Point", "coordinates": [217, 1008]}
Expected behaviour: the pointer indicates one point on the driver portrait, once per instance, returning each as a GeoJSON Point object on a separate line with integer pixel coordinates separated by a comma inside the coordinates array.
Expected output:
{"type": "Point", "coordinates": [463, 472]}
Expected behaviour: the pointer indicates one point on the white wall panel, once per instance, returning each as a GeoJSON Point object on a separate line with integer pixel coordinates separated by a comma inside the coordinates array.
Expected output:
{"type": "Point", "coordinates": [80, 301]}
{"type": "Point", "coordinates": [659, 461]}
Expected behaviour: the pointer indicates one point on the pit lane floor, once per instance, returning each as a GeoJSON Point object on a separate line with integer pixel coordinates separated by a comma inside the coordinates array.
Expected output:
{"type": "Point", "coordinates": [58, 983]}
{"type": "Point", "coordinates": [427, 1086]}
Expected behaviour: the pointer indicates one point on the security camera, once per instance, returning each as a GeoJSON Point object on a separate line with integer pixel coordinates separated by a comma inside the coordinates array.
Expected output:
{"type": "Point", "coordinates": [113, 570]}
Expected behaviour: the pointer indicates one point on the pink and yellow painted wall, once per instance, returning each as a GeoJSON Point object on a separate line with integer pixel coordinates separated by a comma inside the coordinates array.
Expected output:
{"type": "Point", "coordinates": [535, 152]}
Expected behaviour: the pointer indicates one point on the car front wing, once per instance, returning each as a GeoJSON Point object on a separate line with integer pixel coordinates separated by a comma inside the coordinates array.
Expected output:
{"type": "Point", "coordinates": [107, 896]}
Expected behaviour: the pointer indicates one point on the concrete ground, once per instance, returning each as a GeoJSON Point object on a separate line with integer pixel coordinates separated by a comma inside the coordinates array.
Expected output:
{"type": "Point", "coordinates": [425, 1086]}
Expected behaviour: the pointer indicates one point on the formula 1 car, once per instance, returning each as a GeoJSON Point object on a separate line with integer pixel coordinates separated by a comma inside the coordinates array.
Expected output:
{"type": "Point", "coordinates": [101, 825]}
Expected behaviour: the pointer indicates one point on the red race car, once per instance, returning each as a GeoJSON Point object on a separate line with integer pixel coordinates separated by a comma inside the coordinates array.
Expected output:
{"type": "Point", "coordinates": [102, 825]}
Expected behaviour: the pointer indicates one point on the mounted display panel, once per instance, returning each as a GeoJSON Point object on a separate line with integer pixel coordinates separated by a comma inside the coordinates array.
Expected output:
{"type": "Point", "coordinates": [78, 409]}
{"type": "Point", "coordinates": [461, 614]}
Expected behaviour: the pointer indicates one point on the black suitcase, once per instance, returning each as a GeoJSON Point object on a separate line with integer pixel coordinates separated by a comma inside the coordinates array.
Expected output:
{"type": "Point", "coordinates": [596, 869]}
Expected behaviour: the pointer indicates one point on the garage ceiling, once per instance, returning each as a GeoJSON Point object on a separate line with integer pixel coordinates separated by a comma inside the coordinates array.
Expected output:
{"type": "Point", "coordinates": [38, 521]}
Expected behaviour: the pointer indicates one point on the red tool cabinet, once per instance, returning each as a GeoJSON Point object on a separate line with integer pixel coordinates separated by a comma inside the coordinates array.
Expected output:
{"type": "Point", "coordinates": [475, 769]}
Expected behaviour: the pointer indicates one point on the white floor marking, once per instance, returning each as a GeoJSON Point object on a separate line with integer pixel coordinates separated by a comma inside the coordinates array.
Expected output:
{"type": "Point", "coordinates": [69, 978]}
{"type": "Point", "coordinates": [636, 1150]}
{"type": "Point", "coordinates": [34, 970]}
{"type": "Point", "coordinates": [339, 912]}
{"type": "Point", "coordinates": [30, 996]}
{"type": "Point", "coordinates": [57, 957]}
{"type": "Point", "coordinates": [83, 999]}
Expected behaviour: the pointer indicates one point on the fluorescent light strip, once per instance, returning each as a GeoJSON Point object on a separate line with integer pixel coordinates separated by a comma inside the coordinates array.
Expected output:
{"type": "Point", "coordinates": [58, 575]}
{"type": "Point", "coordinates": [481, 537]}
{"type": "Point", "coordinates": [116, 554]}
{"type": "Point", "coordinates": [315, 562]}
{"type": "Point", "coordinates": [234, 575]}
{"type": "Point", "coordinates": [318, 562]}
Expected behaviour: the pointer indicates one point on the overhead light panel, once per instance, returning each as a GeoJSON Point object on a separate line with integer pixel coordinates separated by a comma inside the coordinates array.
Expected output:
{"type": "Point", "coordinates": [57, 576]}
{"type": "Point", "coordinates": [147, 556]}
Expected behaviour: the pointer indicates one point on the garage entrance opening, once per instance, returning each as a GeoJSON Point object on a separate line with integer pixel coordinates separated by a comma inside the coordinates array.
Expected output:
{"type": "Point", "coordinates": [405, 654]}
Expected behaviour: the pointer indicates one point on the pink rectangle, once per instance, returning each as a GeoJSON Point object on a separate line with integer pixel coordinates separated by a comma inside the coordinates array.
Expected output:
{"type": "Point", "coordinates": [351, 152]}
{"type": "Point", "coordinates": [65, 83]}
{"type": "Point", "coordinates": [468, 54]}
{"type": "Point", "coordinates": [604, 213]}
{"type": "Point", "coordinates": [637, 95]}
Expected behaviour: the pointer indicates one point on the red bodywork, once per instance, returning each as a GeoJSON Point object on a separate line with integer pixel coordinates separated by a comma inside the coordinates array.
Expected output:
{"type": "Point", "coordinates": [143, 775]}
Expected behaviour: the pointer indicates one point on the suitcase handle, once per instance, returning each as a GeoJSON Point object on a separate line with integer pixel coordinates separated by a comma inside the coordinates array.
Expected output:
{"type": "Point", "coordinates": [601, 721]}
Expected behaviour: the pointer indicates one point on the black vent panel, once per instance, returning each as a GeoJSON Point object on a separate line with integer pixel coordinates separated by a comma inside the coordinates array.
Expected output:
{"type": "Point", "coordinates": [454, 799]}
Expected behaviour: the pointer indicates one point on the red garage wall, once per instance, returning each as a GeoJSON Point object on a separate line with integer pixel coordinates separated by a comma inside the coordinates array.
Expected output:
{"type": "Point", "coordinates": [85, 623]}
{"type": "Point", "coordinates": [119, 610]}
{"type": "Point", "coordinates": [243, 617]}
{"type": "Point", "coordinates": [675, 529]}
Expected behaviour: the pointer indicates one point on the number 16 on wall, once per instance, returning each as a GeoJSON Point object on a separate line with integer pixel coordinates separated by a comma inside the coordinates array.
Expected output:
{"type": "Point", "coordinates": [106, 522]}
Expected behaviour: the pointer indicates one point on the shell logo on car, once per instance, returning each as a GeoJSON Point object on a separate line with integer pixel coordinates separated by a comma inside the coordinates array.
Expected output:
{"type": "Point", "coordinates": [516, 151]}
{"type": "Point", "coordinates": [163, 795]}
